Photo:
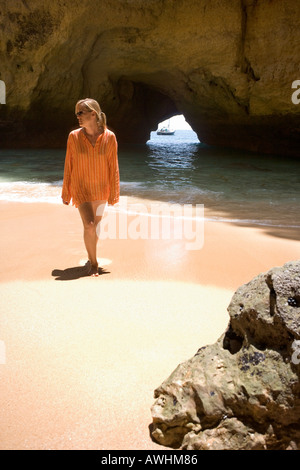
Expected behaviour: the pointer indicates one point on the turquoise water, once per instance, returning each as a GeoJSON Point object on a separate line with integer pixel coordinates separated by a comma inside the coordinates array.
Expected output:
{"type": "Point", "coordinates": [233, 185]}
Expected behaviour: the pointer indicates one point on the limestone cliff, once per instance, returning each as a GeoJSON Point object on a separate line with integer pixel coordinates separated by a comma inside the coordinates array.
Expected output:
{"type": "Point", "coordinates": [227, 65]}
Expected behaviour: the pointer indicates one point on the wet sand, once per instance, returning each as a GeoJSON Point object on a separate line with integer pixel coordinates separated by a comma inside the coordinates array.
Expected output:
{"type": "Point", "coordinates": [80, 357]}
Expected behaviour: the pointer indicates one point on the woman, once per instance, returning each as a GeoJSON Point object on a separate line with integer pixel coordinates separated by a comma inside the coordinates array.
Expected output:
{"type": "Point", "coordinates": [91, 175]}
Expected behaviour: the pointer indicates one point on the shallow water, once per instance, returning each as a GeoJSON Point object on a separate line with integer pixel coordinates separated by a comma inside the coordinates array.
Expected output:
{"type": "Point", "coordinates": [233, 185]}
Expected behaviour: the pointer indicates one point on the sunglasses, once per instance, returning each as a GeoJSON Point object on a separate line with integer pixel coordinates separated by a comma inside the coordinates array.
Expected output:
{"type": "Point", "coordinates": [82, 112]}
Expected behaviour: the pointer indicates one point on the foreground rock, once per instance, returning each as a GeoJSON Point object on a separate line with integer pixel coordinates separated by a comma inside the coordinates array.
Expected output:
{"type": "Point", "coordinates": [228, 66]}
{"type": "Point", "coordinates": [243, 392]}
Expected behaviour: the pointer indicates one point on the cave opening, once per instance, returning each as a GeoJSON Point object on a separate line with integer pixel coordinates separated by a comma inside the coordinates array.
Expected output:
{"type": "Point", "coordinates": [175, 126]}
{"type": "Point", "coordinates": [140, 108]}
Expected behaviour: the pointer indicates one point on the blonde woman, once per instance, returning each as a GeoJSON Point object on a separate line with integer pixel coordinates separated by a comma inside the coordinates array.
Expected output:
{"type": "Point", "coordinates": [91, 174]}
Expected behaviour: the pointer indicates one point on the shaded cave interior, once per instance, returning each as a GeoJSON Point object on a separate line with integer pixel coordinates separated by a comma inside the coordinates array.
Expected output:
{"type": "Point", "coordinates": [133, 110]}
{"type": "Point", "coordinates": [136, 108]}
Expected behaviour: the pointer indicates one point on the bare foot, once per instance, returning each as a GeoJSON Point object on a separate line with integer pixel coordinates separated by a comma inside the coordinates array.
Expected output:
{"type": "Point", "coordinates": [92, 269]}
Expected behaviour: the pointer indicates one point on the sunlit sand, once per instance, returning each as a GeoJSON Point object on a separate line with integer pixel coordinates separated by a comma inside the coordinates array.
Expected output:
{"type": "Point", "coordinates": [81, 357]}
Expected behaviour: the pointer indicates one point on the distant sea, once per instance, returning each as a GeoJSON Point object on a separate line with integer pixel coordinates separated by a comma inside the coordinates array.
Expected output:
{"type": "Point", "coordinates": [234, 185]}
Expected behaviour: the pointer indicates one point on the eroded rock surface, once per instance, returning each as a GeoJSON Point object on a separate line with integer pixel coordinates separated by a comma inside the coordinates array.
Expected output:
{"type": "Point", "coordinates": [227, 65]}
{"type": "Point", "coordinates": [243, 392]}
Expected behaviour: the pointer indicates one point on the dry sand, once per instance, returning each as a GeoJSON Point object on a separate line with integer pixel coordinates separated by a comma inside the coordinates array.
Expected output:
{"type": "Point", "coordinates": [80, 357]}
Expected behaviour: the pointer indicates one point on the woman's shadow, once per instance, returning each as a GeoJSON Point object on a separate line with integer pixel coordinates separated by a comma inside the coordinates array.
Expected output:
{"type": "Point", "coordinates": [69, 274]}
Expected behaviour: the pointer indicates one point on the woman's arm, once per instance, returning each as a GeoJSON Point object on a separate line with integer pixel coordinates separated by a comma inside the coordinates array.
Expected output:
{"type": "Point", "coordinates": [114, 177]}
{"type": "Point", "coordinates": [66, 189]}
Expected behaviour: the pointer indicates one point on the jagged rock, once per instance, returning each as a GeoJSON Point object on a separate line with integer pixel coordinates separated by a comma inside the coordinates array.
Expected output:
{"type": "Point", "coordinates": [228, 66]}
{"type": "Point", "coordinates": [243, 392]}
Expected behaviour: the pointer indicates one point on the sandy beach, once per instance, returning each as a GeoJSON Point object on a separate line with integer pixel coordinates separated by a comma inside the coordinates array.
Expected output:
{"type": "Point", "coordinates": [80, 357]}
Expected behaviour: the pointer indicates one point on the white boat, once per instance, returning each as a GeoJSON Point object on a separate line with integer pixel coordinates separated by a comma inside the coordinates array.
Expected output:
{"type": "Point", "coordinates": [165, 131]}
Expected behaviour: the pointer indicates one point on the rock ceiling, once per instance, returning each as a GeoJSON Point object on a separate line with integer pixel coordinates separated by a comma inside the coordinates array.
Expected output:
{"type": "Point", "coordinates": [228, 66]}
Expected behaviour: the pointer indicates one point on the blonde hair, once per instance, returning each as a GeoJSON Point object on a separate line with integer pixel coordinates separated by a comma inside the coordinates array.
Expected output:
{"type": "Point", "coordinates": [93, 105]}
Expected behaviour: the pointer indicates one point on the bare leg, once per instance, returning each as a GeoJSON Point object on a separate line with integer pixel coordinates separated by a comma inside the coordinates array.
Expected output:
{"type": "Point", "coordinates": [91, 217]}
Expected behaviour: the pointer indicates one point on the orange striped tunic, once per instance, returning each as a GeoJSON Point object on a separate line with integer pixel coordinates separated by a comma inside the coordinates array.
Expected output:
{"type": "Point", "coordinates": [91, 173]}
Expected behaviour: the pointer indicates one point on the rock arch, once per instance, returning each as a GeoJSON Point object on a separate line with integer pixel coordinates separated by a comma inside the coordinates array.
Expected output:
{"type": "Point", "coordinates": [228, 66]}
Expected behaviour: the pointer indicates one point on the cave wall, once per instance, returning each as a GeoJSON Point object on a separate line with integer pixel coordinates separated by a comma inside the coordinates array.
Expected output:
{"type": "Point", "coordinates": [227, 65]}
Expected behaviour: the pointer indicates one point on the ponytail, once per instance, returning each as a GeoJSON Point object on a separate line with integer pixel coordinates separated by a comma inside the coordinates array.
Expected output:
{"type": "Point", "coordinates": [102, 120]}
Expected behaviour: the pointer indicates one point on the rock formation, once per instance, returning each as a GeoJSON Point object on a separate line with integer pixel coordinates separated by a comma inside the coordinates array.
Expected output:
{"type": "Point", "coordinates": [243, 392]}
{"type": "Point", "coordinates": [227, 65]}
